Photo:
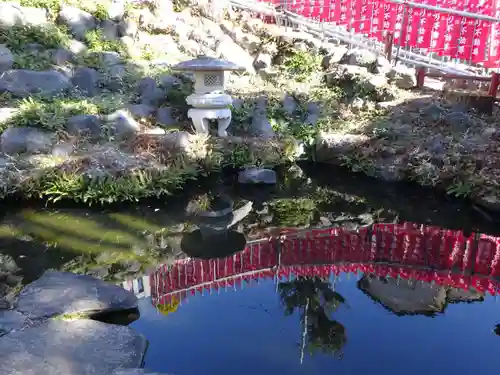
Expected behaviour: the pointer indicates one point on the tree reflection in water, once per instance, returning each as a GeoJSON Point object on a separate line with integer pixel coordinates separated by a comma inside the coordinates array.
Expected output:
{"type": "Point", "coordinates": [316, 301]}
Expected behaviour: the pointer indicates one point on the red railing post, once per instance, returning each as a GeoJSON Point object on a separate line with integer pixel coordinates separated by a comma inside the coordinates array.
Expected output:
{"type": "Point", "coordinates": [388, 43]}
{"type": "Point", "coordinates": [420, 76]}
{"type": "Point", "coordinates": [495, 81]}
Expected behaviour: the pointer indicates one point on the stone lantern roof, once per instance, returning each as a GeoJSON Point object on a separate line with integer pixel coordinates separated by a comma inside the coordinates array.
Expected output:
{"type": "Point", "coordinates": [206, 63]}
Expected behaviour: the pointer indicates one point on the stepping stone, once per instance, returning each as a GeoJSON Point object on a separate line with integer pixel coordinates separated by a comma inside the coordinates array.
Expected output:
{"type": "Point", "coordinates": [80, 347]}
{"type": "Point", "coordinates": [58, 293]}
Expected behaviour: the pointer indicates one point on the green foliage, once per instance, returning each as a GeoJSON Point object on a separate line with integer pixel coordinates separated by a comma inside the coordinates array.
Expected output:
{"type": "Point", "coordinates": [460, 189]}
{"type": "Point", "coordinates": [49, 36]}
{"type": "Point", "coordinates": [300, 65]}
{"type": "Point", "coordinates": [293, 212]}
{"type": "Point", "coordinates": [53, 6]}
{"type": "Point", "coordinates": [97, 43]}
{"type": "Point", "coordinates": [58, 185]}
{"type": "Point", "coordinates": [50, 114]}
{"type": "Point", "coordinates": [32, 61]}
{"type": "Point", "coordinates": [180, 5]}
{"type": "Point", "coordinates": [99, 12]}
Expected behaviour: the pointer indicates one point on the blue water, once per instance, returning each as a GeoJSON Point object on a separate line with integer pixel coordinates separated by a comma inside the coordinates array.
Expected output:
{"type": "Point", "coordinates": [246, 332]}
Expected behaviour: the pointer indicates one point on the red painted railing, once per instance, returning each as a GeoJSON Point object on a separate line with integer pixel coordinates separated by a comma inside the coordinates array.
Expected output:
{"type": "Point", "coordinates": [407, 251]}
{"type": "Point", "coordinates": [470, 38]}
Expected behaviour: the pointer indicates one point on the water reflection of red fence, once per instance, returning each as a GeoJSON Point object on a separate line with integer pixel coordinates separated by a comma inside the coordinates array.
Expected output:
{"type": "Point", "coordinates": [430, 25]}
{"type": "Point", "coordinates": [406, 251]}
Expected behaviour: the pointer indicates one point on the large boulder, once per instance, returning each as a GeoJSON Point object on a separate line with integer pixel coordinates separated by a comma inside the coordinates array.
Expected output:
{"type": "Point", "coordinates": [6, 58]}
{"type": "Point", "coordinates": [78, 21]}
{"type": "Point", "coordinates": [83, 347]}
{"type": "Point", "coordinates": [360, 57]}
{"type": "Point", "coordinates": [231, 51]}
{"type": "Point", "coordinates": [16, 140]}
{"type": "Point", "coordinates": [403, 77]}
{"type": "Point", "coordinates": [60, 293]}
{"type": "Point", "coordinates": [86, 80]}
{"type": "Point", "coordinates": [12, 14]}
{"type": "Point", "coordinates": [11, 320]}
{"type": "Point", "coordinates": [23, 83]}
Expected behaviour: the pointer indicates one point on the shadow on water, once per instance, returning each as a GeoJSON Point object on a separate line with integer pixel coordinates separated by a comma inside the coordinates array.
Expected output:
{"type": "Point", "coordinates": [118, 242]}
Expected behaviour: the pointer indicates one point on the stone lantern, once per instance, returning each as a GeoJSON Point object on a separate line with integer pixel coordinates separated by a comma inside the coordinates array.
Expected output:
{"type": "Point", "coordinates": [209, 101]}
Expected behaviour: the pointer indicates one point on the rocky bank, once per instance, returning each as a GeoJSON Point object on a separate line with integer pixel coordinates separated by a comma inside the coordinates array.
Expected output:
{"type": "Point", "coordinates": [90, 110]}
{"type": "Point", "coordinates": [49, 331]}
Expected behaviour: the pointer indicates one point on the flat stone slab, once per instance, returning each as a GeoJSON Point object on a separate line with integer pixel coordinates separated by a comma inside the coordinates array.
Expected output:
{"type": "Point", "coordinates": [79, 347]}
{"type": "Point", "coordinates": [11, 320]}
{"type": "Point", "coordinates": [57, 293]}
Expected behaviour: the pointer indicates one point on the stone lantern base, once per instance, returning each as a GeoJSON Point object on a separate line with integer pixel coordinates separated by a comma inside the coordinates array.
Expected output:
{"type": "Point", "coordinates": [210, 106]}
{"type": "Point", "coordinates": [202, 116]}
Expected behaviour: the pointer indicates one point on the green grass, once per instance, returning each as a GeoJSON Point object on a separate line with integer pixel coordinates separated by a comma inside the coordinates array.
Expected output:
{"type": "Point", "coordinates": [49, 36]}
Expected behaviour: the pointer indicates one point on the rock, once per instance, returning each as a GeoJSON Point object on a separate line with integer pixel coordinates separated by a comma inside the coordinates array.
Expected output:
{"type": "Point", "coordinates": [168, 81]}
{"type": "Point", "coordinates": [330, 146]}
{"type": "Point", "coordinates": [61, 56]}
{"type": "Point", "coordinates": [403, 77]}
{"type": "Point", "coordinates": [164, 117]}
{"type": "Point", "coordinates": [230, 51]}
{"type": "Point", "coordinates": [6, 114]}
{"type": "Point", "coordinates": [260, 126]}
{"type": "Point", "coordinates": [257, 176]}
{"type": "Point", "coordinates": [237, 103]}
{"type": "Point", "coordinates": [12, 14]}
{"type": "Point", "coordinates": [360, 57]}
{"type": "Point", "coordinates": [109, 30]}
{"type": "Point", "coordinates": [382, 65]}
{"type": "Point", "coordinates": [345, 75]}
{"type": "Point", "coordinates": [23, 83]}
{"type": "Point", "coordinates": [335, 55]}
{"type": "Point", "coordinates": [83, 347]}
{"type": "Point", "coordinates": [76, 47]}
{"type": "Point", "coordinates": [10, 320]}
{"type": "Point", "coordinates": [122, 124]}
{"type": "Point", "coordinates": [109, 58]}
{"type": "Point", "coordinates": [262, 61]}
{"type": "Point", "coordinates": [116, 10]}
{"type": "Point", "coordinates": [115, 76]}
{"type": "Point", "coordinates": [16, 140]}
{"type": "Point", "coordinates": [140, 111]}
{"type": "Point", "coordinates": [84, 125]}
{"type": "Point", "coordinates": [154, 131]}
{"type": "Point", "coordinates": [58, 293]}
{"type": "Point", "coordinates": [289, 104]}
{"type": "Point", "coordinates": [86, 80]}
{"type": "Point", "coordinates": [128, 28]}
{"type": "Point", "coordinates": [374, 83]}
{"type": "Point", "coordinates": [63, 150]}
{"type": "Point", "coordinates": [269, 73]}
{"type": "Point", "coordinates": [150, 93]}
{"type": "Point", "coordinates": [6, 58]}
{"type": "Point", "coordinates": [78, 21]}
{"type": "Point", "coordinates": [313, 113]}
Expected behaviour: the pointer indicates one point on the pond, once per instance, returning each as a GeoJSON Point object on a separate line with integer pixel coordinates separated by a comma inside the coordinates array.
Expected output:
{"type": "Point", "coordinates": [326, 271]}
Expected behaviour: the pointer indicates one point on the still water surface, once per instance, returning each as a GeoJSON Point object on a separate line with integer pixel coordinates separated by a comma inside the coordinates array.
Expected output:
{"type": "Point", "coordinates": [272, 310]}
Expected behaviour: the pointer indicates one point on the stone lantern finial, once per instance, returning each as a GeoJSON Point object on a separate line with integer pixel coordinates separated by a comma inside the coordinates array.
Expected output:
{"type": "Point", "coordinates": [209, 101]}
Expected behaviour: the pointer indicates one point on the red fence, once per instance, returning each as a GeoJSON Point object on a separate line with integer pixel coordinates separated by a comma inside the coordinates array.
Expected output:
{"type": "Point", "coordinates": [407, 251]}
{"type": "Point", "coordinates": [472, 38]}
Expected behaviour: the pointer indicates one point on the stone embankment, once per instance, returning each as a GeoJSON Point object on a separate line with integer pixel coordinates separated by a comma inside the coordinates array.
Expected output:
{"type": "Point", "coordinates": [90, 110]}
{"type": "Point", "coordinates": [49, 330]}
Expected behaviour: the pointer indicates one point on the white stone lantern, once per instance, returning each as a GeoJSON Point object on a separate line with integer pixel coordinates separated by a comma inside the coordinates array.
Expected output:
{"type": "Point", "coordinates": [209, 101]}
